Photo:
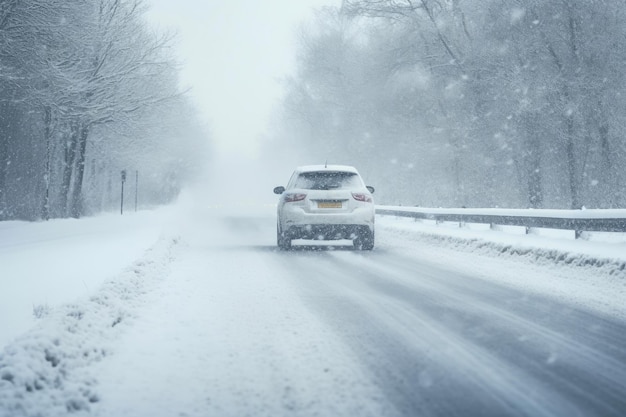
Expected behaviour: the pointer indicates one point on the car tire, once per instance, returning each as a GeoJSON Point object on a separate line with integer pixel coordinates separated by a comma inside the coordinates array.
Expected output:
{"type": "Point", "coordinates": [284, 243]}
{"type": "Point", "coordinates": [364, 240]}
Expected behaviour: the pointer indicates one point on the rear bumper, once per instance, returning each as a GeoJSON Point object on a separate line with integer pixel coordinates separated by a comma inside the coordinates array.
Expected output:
{"type": "Point", "coordinates": [297, 223]}
{"type": "Point", "coordinates": [327, 231]}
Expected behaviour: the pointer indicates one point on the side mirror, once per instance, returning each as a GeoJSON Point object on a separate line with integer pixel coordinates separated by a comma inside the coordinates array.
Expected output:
{"type": "Point", "coordinates": [279, 190]}
{"type": "Point", "coordinates": [370, 189]}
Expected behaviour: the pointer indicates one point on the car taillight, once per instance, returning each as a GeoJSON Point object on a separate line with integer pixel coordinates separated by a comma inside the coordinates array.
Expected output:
{"type": "Point", "coordinates": [290, 198]}
{"type": "Point", "coordinates": [366, 198]}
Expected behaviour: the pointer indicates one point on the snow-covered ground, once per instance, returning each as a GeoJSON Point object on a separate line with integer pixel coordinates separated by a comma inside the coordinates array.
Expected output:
{"type": "Point", "coordinates": [591, 270]}
{"type": "Point", "coordinates": [46, 264]}
{"type": "Point", "coordinates": [192, 311]}
{"type": "Point", "coordinates": [599, 251]}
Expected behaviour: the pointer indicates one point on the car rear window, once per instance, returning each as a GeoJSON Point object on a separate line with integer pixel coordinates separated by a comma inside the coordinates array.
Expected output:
{"type": "Point", "coordinates": [328, 181]}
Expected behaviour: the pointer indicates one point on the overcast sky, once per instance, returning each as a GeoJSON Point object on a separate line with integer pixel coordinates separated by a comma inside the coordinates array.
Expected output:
{"type": "Point", "coordinates": [233, 54]}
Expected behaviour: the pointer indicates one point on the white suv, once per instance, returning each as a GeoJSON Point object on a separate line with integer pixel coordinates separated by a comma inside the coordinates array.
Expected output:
{"type": "Point", "coordinates": [326, 202]}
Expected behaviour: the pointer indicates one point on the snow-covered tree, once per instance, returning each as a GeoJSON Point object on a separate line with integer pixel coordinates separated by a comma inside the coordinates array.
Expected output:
{"type": "Point", "coordinates": [69, 67]}
{"type": "Point", "coordinates": [500, 102]}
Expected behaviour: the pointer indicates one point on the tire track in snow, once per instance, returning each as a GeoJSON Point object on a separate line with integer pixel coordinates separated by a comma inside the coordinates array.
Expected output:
{"type": "Point", "coordinates": [227, 335]}
{"type": "Point", "coordinates": [394, 316]}
{"type": "Point", "coordinates": [574, 353]}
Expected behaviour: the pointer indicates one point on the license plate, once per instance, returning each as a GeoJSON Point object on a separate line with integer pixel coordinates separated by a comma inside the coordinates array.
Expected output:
{"type": "Point", "coordinates": [328, 204]}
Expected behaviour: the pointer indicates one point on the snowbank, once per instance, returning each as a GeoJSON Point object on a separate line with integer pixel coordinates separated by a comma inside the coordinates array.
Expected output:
{"type": "Point", "coordinates": [603, 253]}
{"type": "Point", "coordinates": [44, 372]}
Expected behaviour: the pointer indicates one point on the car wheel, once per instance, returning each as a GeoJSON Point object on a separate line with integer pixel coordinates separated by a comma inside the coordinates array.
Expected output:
{"type": "Point", "coordinates": [364, 240]}
{"type": "Point", "coordinates": [283, 241]}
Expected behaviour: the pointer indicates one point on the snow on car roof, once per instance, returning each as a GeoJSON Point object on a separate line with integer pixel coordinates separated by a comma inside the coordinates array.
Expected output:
{"type": "Point", "coordinates": [333, 168]}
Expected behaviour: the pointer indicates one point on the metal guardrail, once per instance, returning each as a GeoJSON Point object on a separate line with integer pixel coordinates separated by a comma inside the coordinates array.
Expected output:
{"type": "Point", "coordinates": [577, 220]}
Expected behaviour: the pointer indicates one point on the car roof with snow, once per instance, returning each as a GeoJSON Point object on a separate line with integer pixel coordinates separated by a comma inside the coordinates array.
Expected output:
{"type": "Point", "coordinates": [330, 168]}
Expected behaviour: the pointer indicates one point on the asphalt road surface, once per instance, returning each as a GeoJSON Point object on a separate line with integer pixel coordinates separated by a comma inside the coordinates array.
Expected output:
{"type": "Point", "coordinates": [240, 328]}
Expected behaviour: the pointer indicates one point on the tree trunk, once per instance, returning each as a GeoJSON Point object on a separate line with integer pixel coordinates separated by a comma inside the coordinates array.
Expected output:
{"type": "Point", "coordinates": [4, 162]}
{"type": "Point", "coordinates": [76, 208]}
{"type": "Point", "coordinates": [7, 114]}
{"type": "Point", "coordinates": [535, 188]}
{"type": "Point", "coordinates": [68, 167]}
{"type": "Point", "coordinates": [608, 178]}
{"type": "Point", "coordinates": [571, 163]}
{"type": "Point", "coordinates": [45, 213]}
{"type": "Point", "coordinates": [533, 154]}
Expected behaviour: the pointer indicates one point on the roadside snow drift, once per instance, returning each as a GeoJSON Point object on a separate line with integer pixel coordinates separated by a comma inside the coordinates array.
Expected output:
{"type": "Point", "coordinates": [45, 371]}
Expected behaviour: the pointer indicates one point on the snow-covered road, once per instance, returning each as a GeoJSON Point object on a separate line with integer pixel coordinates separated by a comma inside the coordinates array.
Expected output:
{"type": "Point", "coordinates": [214, 321]}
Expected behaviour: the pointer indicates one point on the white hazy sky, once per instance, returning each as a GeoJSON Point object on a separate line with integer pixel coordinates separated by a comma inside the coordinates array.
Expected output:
{"type": "Point", "coordinates": [233, 53]}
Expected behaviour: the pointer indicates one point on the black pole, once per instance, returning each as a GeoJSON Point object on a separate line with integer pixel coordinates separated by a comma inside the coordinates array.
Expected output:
{"type": "Point", "coordinates": [122, 199]}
